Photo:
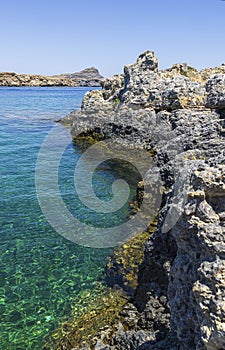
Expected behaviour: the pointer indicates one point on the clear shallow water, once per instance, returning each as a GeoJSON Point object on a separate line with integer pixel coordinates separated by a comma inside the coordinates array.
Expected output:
{"type": "Point", "coordinates": [43, 277]}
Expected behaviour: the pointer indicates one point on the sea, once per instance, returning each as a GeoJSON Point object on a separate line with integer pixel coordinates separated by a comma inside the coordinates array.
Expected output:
{"type": "Point", "coordinates": [44, 276]}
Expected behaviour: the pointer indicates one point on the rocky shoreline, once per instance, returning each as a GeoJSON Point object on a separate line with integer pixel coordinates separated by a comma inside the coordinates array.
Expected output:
{"type": "Point", "coordinates": [88, 77]}
{"type": "Point", "coordinates": [178, 115]}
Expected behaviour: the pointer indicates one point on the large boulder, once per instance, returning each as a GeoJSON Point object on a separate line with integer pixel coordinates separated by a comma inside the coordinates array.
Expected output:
{"type": "Point", "coordinates": [215, 88]}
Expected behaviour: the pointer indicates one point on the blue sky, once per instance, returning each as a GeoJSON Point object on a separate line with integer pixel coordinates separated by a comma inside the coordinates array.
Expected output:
{"type": "Point", "coordinates": [51, 37]}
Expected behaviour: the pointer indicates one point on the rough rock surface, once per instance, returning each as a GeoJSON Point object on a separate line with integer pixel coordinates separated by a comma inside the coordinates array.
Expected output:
{"type": "Point", "coordinates": [87, 77]}
{"type": "Point", "coordinates": [179, 114]}
{"type": "Point", "coordinates": [199, 235]}
{"type": "Point", "coordinates": [215, 88]}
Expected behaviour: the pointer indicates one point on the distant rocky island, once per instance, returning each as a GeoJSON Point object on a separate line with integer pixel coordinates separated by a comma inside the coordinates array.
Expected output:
{"type": "Point", "coordinates": [86, 77]}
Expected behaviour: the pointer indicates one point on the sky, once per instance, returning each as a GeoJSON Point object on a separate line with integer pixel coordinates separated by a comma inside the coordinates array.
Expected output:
{"type": "Point", "coordinates": [52, 37]}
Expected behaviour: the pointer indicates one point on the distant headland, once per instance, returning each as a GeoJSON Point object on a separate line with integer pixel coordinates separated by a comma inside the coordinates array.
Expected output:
{"type": "Point", "coordinates": [86, 77]}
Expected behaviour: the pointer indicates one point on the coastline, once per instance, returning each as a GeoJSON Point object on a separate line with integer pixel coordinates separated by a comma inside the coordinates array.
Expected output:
{"type": "Point", "coordinates": [89, 77]}
{"type": "Point", "coordinates": [42, 275]}
{"type": "Point", "coordinates": [178, 115]}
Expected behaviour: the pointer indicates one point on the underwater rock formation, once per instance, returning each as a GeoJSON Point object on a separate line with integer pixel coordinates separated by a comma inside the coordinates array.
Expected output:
{"type": "Point", "coordinates": [179, 114]}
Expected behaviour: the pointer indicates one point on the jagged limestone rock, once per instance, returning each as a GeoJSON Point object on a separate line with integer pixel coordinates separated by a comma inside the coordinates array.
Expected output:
{"type": "Point", "coordinates": [197, 278]}
{"type": "Point", "coordinates": [182, 69]}
{"type": "Point", "coordinates": [177, 114]}
{"type": "Point", "coordinates": [215, 88]}
{"type": "Point", "coordinates": [208, 73]}
{"type": "Point", "coordinates": [111, 87]}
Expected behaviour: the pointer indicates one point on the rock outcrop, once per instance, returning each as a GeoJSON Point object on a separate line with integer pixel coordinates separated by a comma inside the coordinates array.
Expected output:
{"type": "Point", "coordinates": [179, 114]}
{"type": "Point", "coordinates": [87, 77]}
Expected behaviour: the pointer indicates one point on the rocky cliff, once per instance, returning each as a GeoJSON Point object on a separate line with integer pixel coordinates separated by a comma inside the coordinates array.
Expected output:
{"type": "Point", "coordinates": [87, 77]}
{"type": "Point", "coordinates": [179, 115]}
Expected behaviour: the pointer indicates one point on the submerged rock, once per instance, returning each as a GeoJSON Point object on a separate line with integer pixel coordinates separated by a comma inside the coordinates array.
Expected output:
{"type": "Point", "coordinates": [179, 115]}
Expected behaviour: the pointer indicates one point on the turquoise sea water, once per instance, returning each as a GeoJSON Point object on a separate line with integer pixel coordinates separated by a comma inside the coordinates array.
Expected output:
{"type": "Point", "coordinates": [43, 276]}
